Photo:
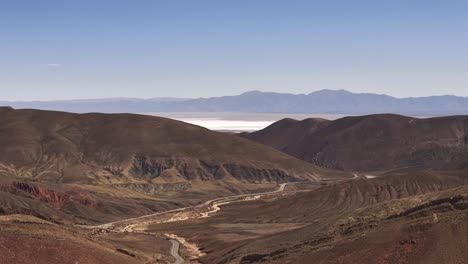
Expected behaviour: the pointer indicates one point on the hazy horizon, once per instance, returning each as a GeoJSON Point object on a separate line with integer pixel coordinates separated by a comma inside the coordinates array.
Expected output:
{"type": "Point", "coordinates": [237, 122]}
{"type": "Point", "coordinates": [97, 99]}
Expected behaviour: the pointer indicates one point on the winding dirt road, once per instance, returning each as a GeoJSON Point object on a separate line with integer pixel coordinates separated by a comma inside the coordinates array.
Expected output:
{"type": "Point", "coordinates": [129, 225]}
{"type": "Point", "coordinates": [207, 203]}
{"type": "Point", "coordinates": [204, 210]}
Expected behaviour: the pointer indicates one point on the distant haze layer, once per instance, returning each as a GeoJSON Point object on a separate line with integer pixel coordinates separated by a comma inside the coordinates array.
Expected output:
{"type": "Point", "coordinates": [335, 102]}
{"type": "Point", "coordinates": [236, 122]}
{"type": "Point", "coordinates": [228, 125]}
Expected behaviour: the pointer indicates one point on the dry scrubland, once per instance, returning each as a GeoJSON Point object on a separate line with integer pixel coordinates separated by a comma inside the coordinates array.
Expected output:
{"type": "Point", "coordinates": [371, 189]}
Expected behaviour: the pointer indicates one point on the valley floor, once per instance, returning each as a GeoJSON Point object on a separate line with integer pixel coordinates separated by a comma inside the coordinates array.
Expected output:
{"type": "Point", "coordinates": [385, 219]}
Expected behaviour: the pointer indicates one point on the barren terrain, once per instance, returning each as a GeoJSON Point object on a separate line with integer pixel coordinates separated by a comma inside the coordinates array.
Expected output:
{"type": "Point", "coordinates": [372, 143]}
{"type": "Point", "coordinates": [98, 188]}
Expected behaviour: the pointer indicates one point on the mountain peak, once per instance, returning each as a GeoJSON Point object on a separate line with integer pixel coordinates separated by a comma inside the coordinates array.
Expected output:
{"type": "Point", "coordinates": [331, 92]}
{"type": "Point", "coordinates": [253, 92]}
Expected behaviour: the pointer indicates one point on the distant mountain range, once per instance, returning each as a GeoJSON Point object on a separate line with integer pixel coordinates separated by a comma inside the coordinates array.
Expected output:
{"type": "Point", "coordinates": [324, 101]}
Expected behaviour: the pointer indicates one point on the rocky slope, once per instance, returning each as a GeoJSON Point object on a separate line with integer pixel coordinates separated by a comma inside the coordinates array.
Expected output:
{"type": "Point", "coordinates": [372, 143]}
{"type": "Point", "coordinates": [393, 219]}
{"type": "Point", "coordinates": [99, 148]}
{"type": "Point", "coordinates": [27, 239]}
{"type": "Point", "coordinates": [88, 168]}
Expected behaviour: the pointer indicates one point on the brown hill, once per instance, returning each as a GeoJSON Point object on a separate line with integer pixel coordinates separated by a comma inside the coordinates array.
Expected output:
{"type": "Point", "coordinates": [417, 218]}
{"type": "Point", "coordinates": [93, 148]}
{"type": "Point", "coordinates": [372, 143]}
{"type": "Point", "coordinates": [26, 239]}
{"type": "Point", "coordinates": [87, 168]}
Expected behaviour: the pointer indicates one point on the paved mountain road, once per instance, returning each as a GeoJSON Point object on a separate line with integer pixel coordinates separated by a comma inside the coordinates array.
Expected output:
{"type": "Point", "coordinates": [175, 252]}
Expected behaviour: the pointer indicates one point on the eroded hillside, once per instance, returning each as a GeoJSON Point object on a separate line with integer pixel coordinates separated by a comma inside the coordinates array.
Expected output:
{"type": "Point", "coordinates": [373, 143]}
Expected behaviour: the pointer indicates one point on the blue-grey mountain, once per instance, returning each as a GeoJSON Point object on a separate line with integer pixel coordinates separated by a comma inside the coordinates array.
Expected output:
{"type": "Point", "coordinates": [324, 101]}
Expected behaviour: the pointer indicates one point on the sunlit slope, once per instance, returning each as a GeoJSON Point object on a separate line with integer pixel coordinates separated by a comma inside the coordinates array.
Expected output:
{"type": "Point", "coordinates": [91, 148]}
{"type": "Point", "coordinates": [373, 143]}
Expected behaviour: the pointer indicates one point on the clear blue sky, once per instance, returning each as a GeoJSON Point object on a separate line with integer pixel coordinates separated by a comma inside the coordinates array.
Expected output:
{"type": "Point", "coordinates": [66, 49]}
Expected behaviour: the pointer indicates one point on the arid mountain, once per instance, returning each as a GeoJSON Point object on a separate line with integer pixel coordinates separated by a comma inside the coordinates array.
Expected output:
{"type": "Point", "coordinates": [323, 101]}
{"type": "Point", "coordinates": [139, 189]}
{"type": "Point", "coordinates": [99, 167]}
{"type": "Point", "coordinates": [98, 148]}
{"type": "Point", "coordinates": [372, 143]}
{"type": "Point", "coordinates": [393, 219]}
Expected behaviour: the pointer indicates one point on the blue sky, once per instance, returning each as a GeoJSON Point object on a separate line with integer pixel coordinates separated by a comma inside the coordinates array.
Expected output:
{"type": "Point", "coordinates": [66, 49]}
